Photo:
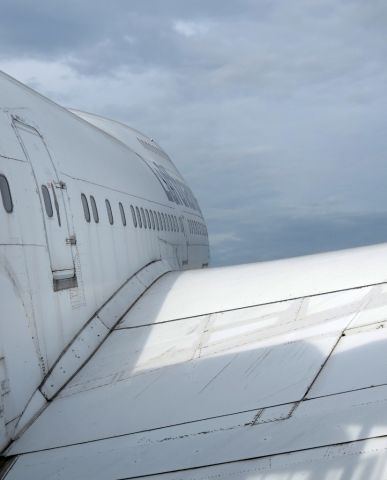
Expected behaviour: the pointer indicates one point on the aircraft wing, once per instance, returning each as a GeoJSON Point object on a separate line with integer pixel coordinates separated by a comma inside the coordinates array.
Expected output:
{"type": "Point", "coordinates": [275, 370]}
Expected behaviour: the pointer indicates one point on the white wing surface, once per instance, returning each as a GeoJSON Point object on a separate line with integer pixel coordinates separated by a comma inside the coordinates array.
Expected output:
{"type": "Point", "coordinates": [266, 371]}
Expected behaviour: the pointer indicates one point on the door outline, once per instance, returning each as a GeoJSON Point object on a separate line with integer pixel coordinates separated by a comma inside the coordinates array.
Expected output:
{"type": "Point", "coordinates": [62, 277]}
{"type": "Point", "coordinates": [186, 249]}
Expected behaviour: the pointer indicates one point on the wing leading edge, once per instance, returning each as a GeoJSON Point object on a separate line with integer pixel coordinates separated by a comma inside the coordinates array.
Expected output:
{"type": "Point", "coordinates": [274, 370]}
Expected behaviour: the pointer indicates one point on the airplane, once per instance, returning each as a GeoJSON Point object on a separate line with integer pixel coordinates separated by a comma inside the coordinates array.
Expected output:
{"type": "Point", "coordinates": [123, 355]}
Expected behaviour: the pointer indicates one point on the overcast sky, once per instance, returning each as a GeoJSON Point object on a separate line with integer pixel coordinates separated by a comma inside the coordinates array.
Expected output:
{"type": "Point", "coordinates": [274, 111]}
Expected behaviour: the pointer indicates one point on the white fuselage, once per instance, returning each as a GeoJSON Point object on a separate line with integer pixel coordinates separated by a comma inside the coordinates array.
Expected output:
{"type": "Point", "coordinates": [60, 260]}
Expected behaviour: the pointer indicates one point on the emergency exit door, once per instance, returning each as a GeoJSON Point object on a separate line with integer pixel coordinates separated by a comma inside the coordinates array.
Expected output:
{"type": "Point", "coordinates": [53, 203]}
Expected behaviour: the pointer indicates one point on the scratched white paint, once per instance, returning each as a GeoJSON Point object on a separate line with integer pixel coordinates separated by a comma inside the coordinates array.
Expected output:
{"type": "Point", "coordinates": [227, 288]}
{"type": "Point", "coordinates": [316, 423]}
{"type": "Point", "coordinates": [203, 367]}
{"type": "Point", "coordinates": [41, 323]}
{"type": "Point", "coordinates": [376, 308]}
{"type": "Point", "coordinates": [282, 363]}
{"type": "Point", "coordinates": [359, 361]}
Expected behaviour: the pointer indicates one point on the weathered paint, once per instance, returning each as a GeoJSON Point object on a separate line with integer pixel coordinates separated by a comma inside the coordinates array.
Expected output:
{"type": "Point", "coordinates": [264, 371]}
{"type": "Point", "coordinates": [42, 315]}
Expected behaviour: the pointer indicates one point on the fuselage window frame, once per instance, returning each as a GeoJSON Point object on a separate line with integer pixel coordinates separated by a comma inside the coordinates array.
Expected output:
{"type": "Point", "coordinates": [148, 218]}
{"type": "Point", "coordinates": [122, 211]}
{"type": "Point", "coordinates": [152, 219]}
{"type": "Point", "coordinates": [139, 217]}
{"type": "Point", "coordinates": [109, 211]}
{"type": "Point", "coordinates": [160, 221]}
{"type": "Point", "coordinates": [6, 195]}
{"type": "Point", "coordinates": [47, 201]}
{"type": "Point", "coordinates": [156, 220]}
{"type": "Point", "coordinates": [86, 209]}
{"type": "Point", "coordinates": [133, 216]}
{"type": "Point", "coordinates": [94, 209]}
{"type": "Point", "coordinates": [143, 217]}
{"type": "Point", "coordinates": [163, 221]}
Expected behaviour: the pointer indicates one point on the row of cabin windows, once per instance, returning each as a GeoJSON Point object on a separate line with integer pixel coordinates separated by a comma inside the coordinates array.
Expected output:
{"type": "Point", "coordinates": [154, 220]}
{"type": "Point", "coordinates": [197, 228]}
{"type": "Point", "coordinates": [141, 217]}
{"type": "Point", "coordinates": [94, 210]}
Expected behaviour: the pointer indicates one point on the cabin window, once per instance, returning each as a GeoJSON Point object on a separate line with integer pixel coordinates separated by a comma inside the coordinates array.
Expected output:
{"type": "Point", "coordinates": [122, 211]}
{"type": "Point", "coordinates": [176, 224]}
{"type": "Point", "coordinates": [148, 219]}
{"type": "Point", "coordinates": [6, 194]}
{"type": "Point", "coordinates": [133, 216]}
{"type": "Point", "coordinates": [85, 205]}
{"type": "Point", "coordinates": [94, 209]}
{"type": "Point", "coordinates": [47, 201]}
{"type": "Point", "coordinates": [156, 221]}
{"type": "Point", "coordinates": [143, 217]}
{"type": "Point", "coordinates": [181, 224]}
{"type": "Point", "coordinates": [165, 222]}
{"type": "Point", "coordinates": [170, 223]}
{"type": "Point", "coordinates": [109, 211]}
{"type": "Point", "coordinates": [160, 221]}
{"type": "Point", "coordinates": [152, 219]}
{"type": "Point", "coordinates": [139, 217]}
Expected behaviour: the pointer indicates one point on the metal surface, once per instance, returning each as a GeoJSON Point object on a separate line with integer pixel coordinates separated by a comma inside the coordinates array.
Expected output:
{"type": "Point", "coordinates": [270, 371]}
{"type": "Point", "coordinates": [43, 311]}
{"type": "Point", "coordinates": [45, 173]}
{"type": "Point", "coordinates": [218, 388]}
{"type": "Point", "coordinates": [228, 288]}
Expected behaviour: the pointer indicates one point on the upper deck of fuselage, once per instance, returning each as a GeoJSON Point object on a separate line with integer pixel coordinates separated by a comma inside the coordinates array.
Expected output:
{"type": "Point", "coordinates": [85, 146]}
{"type": "Point", "coordinates": [142, 144]}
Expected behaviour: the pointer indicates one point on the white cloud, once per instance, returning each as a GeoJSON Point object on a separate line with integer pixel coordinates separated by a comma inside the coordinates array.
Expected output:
{"type": "Point", "coordinates": [191, 29]}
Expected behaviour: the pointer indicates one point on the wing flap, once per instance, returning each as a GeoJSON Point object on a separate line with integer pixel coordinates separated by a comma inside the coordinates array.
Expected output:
{"type": "Point", "coordinates": [199, 292]}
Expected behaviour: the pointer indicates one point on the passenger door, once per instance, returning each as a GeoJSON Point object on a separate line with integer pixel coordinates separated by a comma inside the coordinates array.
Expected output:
{"type": "Point", "coordinates": [53, 202]}
{"type": "Point", "coordinates": [185, 247]}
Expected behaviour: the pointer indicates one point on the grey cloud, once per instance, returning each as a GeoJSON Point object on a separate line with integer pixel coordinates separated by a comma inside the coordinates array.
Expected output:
{"type": "Point", "coordinates": [47, 28]}
{"type": "Point", "coordinates": [281, 237]}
